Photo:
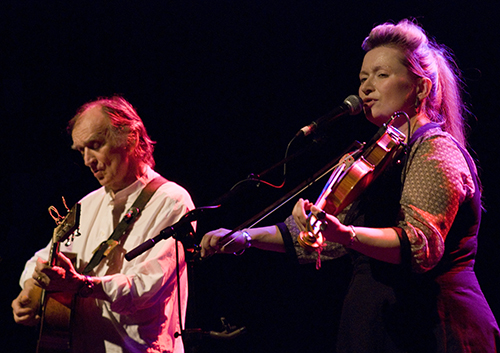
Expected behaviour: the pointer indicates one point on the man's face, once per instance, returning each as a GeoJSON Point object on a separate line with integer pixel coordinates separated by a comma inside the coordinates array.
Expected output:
{"type": "Point", "coordinates": [110, 164]}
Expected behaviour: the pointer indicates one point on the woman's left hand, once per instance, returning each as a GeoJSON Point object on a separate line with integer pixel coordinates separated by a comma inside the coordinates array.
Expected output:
{"type": "Point", "coordinates": [334, 230]}
{"type": "Point", "coordinates": [299, 213]}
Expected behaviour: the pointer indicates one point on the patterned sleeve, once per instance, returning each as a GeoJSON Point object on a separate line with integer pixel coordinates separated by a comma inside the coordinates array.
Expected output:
{"type": "Point", "coordinates": [437, 182]}
{"type": "Point", "coordinates": [330, 250]}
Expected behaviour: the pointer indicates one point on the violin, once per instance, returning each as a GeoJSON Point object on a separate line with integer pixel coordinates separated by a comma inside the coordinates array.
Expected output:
{"type": "Point", "coordinates": [353, 174]}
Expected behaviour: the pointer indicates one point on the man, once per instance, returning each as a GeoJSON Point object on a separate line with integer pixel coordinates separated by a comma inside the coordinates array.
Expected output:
{"type": "Point", "coordinates": [123, 306]}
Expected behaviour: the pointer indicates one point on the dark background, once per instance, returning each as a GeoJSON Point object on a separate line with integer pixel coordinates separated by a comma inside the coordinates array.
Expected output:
{"type": "Point", "coordinates": [222, 86]}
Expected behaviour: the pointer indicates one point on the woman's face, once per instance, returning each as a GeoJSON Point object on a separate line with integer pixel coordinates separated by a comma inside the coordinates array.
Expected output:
{"type": "Point", "coordinates": [386, 85]}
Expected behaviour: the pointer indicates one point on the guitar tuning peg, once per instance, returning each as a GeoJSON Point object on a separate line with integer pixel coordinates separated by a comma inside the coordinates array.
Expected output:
{"type": "Point", "coordinates": [71, 238]}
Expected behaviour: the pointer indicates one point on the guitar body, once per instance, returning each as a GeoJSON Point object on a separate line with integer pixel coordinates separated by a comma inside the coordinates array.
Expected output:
{"type": "Point", "coordinates": [55, 325]}
{"type": "Point", "coordinates": [56, 307]}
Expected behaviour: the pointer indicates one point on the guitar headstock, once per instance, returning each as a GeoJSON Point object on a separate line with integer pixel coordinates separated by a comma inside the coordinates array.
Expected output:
{"type": "Point", "coordinates": [69, 224]}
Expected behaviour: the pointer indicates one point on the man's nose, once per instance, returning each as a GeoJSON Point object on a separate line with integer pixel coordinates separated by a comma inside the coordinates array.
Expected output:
{"type": "Point", "coordinates": [88, 157]}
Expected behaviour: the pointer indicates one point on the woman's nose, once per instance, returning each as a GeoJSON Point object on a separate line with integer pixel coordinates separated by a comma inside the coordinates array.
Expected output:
{"type": "Point", "coordinates": [366, 87]}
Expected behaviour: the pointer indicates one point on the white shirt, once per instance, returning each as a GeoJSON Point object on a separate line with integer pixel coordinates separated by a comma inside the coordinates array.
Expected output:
{"type": "Point", "coordinates": [142, 315]}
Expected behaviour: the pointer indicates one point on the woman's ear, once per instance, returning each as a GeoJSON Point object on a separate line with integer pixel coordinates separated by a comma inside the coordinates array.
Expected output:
{"type": "Point", "coordinates": [424, 86]}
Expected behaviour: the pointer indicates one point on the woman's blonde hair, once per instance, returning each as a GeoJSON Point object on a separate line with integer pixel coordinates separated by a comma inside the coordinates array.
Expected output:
{"type": "Point", "coordinates": [426, 58]}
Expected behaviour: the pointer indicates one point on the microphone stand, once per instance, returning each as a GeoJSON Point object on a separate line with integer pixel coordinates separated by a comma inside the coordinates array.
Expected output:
{"type": "Point", "coordinates": [184, 232]}
{"type": "Point", "coordinates": [252, 222]}
{"type": "Point", "coordinates": [356, 145]}
{"type": "Point", "coordinates": [196, 335]}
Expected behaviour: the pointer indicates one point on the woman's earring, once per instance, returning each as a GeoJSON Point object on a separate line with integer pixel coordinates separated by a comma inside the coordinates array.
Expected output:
{"type": "Point", "coordinates": [417, 104]}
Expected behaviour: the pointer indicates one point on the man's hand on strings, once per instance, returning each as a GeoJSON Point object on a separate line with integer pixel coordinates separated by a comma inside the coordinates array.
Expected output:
{"type": "Point", "coordinates": [60, 278]}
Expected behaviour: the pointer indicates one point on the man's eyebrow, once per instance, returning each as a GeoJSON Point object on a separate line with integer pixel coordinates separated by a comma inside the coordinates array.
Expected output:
{"type": "Point", "coordinates": [96, 136]}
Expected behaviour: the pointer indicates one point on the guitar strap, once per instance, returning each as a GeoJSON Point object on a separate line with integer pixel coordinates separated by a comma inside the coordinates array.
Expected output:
{"type": "Point", "coordinates": [106, 246]}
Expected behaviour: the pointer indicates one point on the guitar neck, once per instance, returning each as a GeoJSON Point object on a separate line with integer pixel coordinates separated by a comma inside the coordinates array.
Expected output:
{"type": "Point", "coordinates": [56, 307]}
{"type": "Point", "coordinates": [54, 251]}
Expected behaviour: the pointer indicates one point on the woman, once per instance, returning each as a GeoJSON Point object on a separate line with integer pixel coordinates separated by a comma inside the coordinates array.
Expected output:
{"type": "Point", "coordinates": [412, 235]}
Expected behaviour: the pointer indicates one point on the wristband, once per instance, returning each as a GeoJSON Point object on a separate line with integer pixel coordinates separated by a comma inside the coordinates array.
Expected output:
{"type": "Point", "coordinates": [352, 232]}
{"type": "Point", "coordinates": [248, 243]}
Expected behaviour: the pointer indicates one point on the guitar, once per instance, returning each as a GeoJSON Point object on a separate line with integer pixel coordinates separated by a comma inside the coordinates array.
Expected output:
{"type": "Point", "coordinates": [55, 307]}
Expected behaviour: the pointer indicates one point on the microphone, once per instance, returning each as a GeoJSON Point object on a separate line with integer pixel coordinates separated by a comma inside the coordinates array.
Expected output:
{"type": "Point", "coordinates": [352, 105]}
{"type": "Point", "coordinates": [182, 231]}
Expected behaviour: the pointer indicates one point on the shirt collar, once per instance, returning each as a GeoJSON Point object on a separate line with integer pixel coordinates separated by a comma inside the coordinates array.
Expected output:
{"type": "Point", "coordinates": [133, 188]}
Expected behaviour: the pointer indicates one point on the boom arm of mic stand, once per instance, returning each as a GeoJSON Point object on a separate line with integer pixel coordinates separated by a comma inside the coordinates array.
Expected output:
{"type": "Point", "coordinates": [301, 187]}
{"type": "Point", "coordinates": [178, 231]}
{"type": "Point", "coordinates": [258, 177]}
{"type": "Point", "coordinates": [291, 194]}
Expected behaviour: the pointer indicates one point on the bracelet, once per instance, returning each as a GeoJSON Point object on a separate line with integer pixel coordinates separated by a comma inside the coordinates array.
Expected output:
{"type": "Point", "coordinates": [248, 243]}
{"type": "Point", "coordinates": [87, 288]}
{"type": "Point", "coordinates": [352, 232]}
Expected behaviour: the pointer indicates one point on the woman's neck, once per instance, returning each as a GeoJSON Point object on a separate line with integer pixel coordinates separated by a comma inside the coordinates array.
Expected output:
{"type": "Point", "coordinates": [416, 122]}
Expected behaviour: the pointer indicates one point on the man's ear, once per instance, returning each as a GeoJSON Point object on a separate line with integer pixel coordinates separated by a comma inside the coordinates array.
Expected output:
{"type": "Point", "coordinates": [132, 141]}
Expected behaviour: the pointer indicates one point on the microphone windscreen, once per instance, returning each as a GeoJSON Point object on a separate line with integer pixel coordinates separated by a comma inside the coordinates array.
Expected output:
{"type": "Point", "coordinates": [355, 104]}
